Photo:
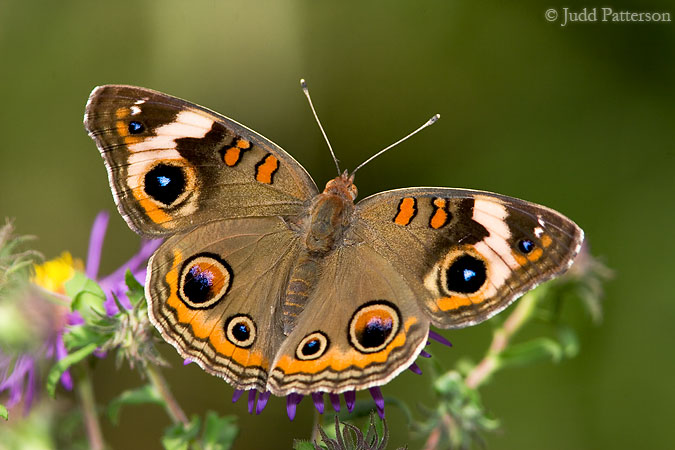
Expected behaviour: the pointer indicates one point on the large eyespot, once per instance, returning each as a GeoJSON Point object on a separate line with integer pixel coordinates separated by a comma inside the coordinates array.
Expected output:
{"type": "Point", "coordinates": [165, 183]}
{"type": "Point", "coordinates": [465, 274]}
{"type": "Point", "coordinates": [240, 330]}
{"type": "Point", "coordinates": [313, 346]}
{"type": "Point", "coordinates": [373, 326]}
{"type": "Point", "coordinates": [204, 280]}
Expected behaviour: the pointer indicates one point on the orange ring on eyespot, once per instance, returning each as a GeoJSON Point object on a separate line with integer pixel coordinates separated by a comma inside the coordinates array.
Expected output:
{"type": "Point", "coordinates": [373, 326]}
{"type": "Point", "coordinates": [204, 280]}
{"type": "Point", "coordinates": [312, 346]}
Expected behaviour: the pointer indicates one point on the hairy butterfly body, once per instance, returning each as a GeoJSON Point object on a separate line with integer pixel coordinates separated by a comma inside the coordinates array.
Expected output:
{"type": "Point", "coordinates": [275, 286]}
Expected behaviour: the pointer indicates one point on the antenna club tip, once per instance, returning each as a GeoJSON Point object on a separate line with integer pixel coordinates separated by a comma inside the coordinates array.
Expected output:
{"type": "Point", "coordinates": [434, 118]}
{"type": "Point", "coordinates": [303, 83]}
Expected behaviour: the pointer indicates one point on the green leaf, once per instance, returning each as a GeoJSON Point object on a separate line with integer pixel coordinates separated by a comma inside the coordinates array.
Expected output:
{"type": "Point", "coordinates": [179, 436]}
{"type": "Point", "coordinates": [87, 296]}
{"type": "Point", "coordinates": [136, 292]}
{"type": "Point", "coordinates": [63, 365]}
{"type": "Point", "coordinates": [530, 352]}
{"type": "Point", "coordinates": [3, 412]}
{"type": "Point", "coordinates": [143, 394]}
{"type": "Point", "coordinates": [569, 342]}
{"type": "Point", "coordinates": [81, 335]}
{"type": "Point", "coordinates": [219, 432]}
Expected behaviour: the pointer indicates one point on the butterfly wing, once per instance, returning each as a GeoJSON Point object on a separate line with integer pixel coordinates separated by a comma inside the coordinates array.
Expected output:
{"type": "Point", "coordinates": [466, 254]}
{"type": "Point", "coordinates": [361, 326]}
{"type": "Point", "coordinates": [214, 293]}
{"type": "Point", "coordinates": [173, 165]}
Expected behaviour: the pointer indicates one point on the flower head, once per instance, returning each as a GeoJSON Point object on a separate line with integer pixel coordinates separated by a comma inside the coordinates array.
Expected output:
{"type": "Point", "coordinates": [43, 310]}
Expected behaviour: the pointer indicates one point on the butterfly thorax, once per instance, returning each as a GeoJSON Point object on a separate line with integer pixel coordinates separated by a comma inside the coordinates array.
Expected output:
{"type": "Point", "coordinates": [329, 214]}
{"type": "Point", "coordinates": [328, 217]}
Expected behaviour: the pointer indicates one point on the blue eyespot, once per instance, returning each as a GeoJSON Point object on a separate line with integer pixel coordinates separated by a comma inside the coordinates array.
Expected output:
{"type": "Point", "coordinates": [468, 274]}
{"type": "Point", "coordinates": [163, 181]}
{"type": "Point", "coordinates": [136, 127]}
{"type": "Point", "coordinates": [526, 245]}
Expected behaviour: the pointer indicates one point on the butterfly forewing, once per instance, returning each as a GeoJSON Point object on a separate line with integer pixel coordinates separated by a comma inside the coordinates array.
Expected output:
{"type": "Point", "coordinates": [173, 165]}
{"type": "Point", "coordinates": [467, 254]}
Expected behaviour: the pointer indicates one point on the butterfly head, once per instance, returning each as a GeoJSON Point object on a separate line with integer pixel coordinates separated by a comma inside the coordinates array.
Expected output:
{"type": "Point", "coordinates": [342, 186]}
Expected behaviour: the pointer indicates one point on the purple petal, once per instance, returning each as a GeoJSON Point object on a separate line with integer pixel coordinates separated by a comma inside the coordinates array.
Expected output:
{"type": "Point", "coordinates": [415, 368]}
{"type": "Point", "coordinates": [74, 318]}
{"type": "Point", "coordinates": [335, 401]}
{"type": "Point", "coordinates": [350, 399]}
{"type": "Point", "coordinates": [148, 247]}
{"type": "Point", "coordinates": [96, 238]}
{"type": "Point", "coordinates": [67, 380]}
{"type": "Point", "coordinates": [237, 395]}
{"type": "Point", "coordinates": [377, 396]}
{"type": "Point", "coordinates": [438, 338]}
{"type": "Point", "coordinates": [317, 397]}
{"type": "Point", "coordinates": [24, 366]}
{"type": "Point", "coordinates": [424, 354]}
{"type": "Point", "coordinates": [187, 361]}
{"type": "Point", "coordinates": [251, 400]}
{"type": "Point", "coordinates": [100, 353]}
{"type": "Point", "coordinates": [61, 352]}
{"type": "Point", "coordinates": [30, 390]}
{"type": "Point", "coordinates": [292, 401]}
{"type": "Point", "coordinates": [262, 402]}
{"type": "Point", "coordinates": [110, 304]}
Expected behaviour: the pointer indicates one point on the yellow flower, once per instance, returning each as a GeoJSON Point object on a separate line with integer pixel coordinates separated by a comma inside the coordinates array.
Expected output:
{"type": "Point", "coordinates": [53, 274]}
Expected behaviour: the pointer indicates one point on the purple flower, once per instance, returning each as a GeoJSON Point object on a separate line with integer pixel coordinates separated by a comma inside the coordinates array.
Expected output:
{"type": "Point", "coordinates": [114, 285]}
{"type": "Point", "coordinates": [20, 370]}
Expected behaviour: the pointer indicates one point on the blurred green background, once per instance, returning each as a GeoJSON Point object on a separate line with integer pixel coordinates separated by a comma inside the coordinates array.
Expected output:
{"type": "Point", "coordinates": [579, 118]}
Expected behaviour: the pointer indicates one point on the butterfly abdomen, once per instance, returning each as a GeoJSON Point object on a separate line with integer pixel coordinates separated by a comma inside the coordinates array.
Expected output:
{"type": "Point", "coordinates": [300, 286]}
{"type": "Point", "coordinates": [323, 229]}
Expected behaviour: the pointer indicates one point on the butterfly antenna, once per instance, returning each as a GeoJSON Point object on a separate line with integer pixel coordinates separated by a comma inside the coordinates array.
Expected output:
{"type": "Point", "coordinates": [303, 83]}
{"type": "Point", "coordinates": [431, 121]}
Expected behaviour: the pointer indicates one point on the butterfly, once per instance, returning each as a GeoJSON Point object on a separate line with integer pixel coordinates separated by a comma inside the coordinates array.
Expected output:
{"type": "Point", "coordinates": [274, 285]}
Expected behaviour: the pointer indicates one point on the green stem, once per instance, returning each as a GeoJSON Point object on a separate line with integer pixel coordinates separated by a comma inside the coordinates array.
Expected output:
{"type": "Point", "coordinates": [522, 313]}
{"type": "Point", "coordinates": [315, 427]}
{"type": "Point", "coordinates": [172, 407]}
{"type": "Point", "coordinates": [85, 392]}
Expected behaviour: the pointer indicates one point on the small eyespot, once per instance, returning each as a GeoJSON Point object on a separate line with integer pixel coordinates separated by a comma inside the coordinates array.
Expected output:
{"type": "Point", "coordinates": [240, 330]}
{"type": "Point", "coordinates": [165, 183]}
{"type": "Point", "coordinates": [465, 275]}
{"type": "Point", "coordinates": [313, 346]}
{"type": "Point", "coordinates": [204, 280]}
{"type": "Point", "coordinates": [373, 326]}
{"type": "Point", "coordinates": [136, 127]}
{"type": "Point", "coordinates": [525, 246]}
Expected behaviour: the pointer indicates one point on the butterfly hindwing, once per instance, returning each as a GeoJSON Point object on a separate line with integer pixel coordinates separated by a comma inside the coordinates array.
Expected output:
{"type": "Point", "coordinates": [173, 165]}
{"type": "Point", "coordinates": [467, 254]}
{"type": "Point", "coordinates": [360, 328]}
{"type": "Point", "coordinates": [213, 294]}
